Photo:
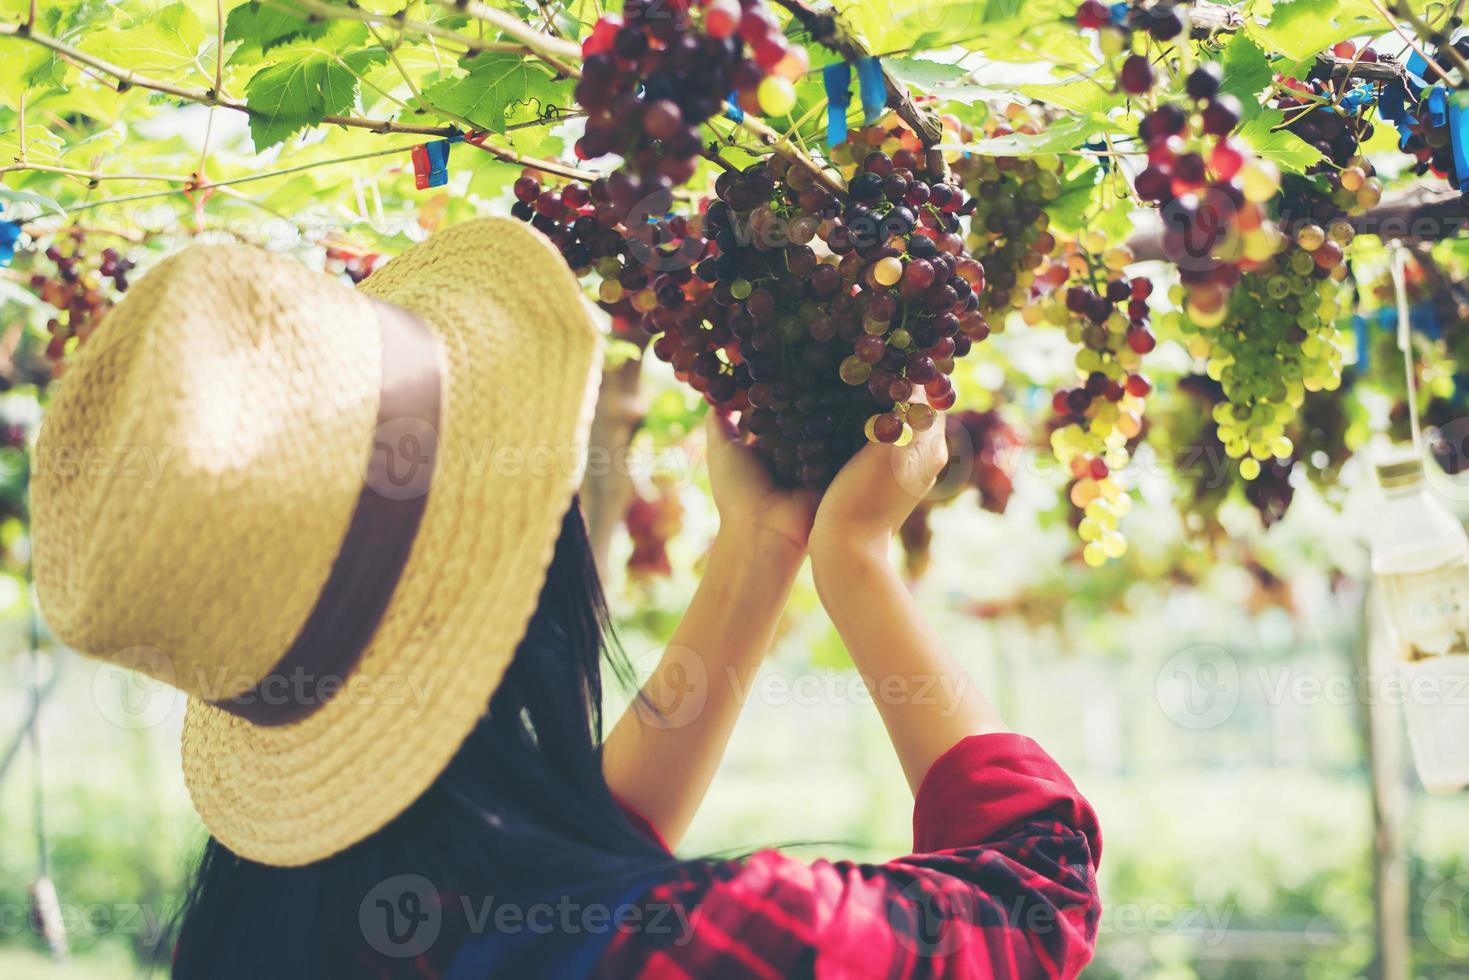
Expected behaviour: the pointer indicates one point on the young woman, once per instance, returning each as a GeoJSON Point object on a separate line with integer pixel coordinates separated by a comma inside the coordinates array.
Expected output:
{"type": "Point", "coordinates": [382, 825]}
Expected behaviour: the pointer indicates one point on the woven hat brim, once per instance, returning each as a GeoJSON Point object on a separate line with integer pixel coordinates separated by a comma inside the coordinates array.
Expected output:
{"type": "Point", "coordinates": [522, 369]}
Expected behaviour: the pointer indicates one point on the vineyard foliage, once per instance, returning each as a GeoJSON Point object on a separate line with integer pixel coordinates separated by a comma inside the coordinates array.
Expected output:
{"type": "Point", "coordinates": [1155, 229]}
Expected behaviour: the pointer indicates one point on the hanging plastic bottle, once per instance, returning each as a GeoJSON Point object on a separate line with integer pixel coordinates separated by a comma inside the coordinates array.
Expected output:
{"type": "Point", "coordinates": [1420, 559]}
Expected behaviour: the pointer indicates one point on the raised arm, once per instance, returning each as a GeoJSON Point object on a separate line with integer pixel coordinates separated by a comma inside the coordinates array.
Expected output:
{"type": "Point", "coordinates": [661, 756]}
{"type": "Point", "coordinates": [927, 700]}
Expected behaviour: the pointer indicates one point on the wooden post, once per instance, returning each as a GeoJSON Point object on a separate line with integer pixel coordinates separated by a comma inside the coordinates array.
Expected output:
{"type": "Point", "coordinates": [1382, 733]}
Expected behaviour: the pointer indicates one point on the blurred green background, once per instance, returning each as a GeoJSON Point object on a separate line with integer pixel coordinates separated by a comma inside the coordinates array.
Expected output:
{"type": "Point", "coordinates": [1220, 727]}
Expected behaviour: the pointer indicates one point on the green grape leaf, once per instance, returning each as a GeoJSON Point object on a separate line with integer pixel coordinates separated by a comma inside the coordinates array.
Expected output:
{"type": "Point", "coordinates": [1287, 150]}
{"type": "Point", "coordinates": [1247, 72]}
{"type": "Point", "coordinates": [922, 73]}
{"type": "Point", "coordinates": [534, 141]}
{"type": "Point", "coordinates": [935, 23]}
{"type": "Point", "coordinates": [1069, 134]}
{"type": "Point", "coordinates": [495, 84]}
{"type": "Point", "coordinates": [491, 178]}
{"type": "Point", "coordinates": [261, 26]}
{"type": "Point", "coordinates": [1078, 198]}
{"type": "Point", "coordinates": [976, 95]}
{"type": "Point", "coordinates": [27, 67]}
{"type": "Point", "coordinates": [42, 145]}
{"type": "Point", "coordinates": [27, 197]}
{"type": "Point", "coordinates": [1300, 29]}
{"type": "Point", "coordinates": [166, 44]}
{"type": "Point", "coordinates": [1083, 95]}
{"type": "Point", "coordinates": [308, 80]}
{"type": "Point", "coordinates": [104, 142]}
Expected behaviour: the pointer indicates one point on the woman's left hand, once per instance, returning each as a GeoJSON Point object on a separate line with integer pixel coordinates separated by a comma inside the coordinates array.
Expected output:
{"type": "Point", "coordinates": [660, 761]}
{"type": "Point", "coordinates": [745, 492]}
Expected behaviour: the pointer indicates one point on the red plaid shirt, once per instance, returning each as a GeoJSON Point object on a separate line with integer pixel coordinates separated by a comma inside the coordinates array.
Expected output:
{"type": "Point", "coordinates": [1001, 884]}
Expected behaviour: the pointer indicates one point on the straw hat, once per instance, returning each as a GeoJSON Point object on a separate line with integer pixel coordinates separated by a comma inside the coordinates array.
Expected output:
{"type": "Point", "coordinates": [323, 513]}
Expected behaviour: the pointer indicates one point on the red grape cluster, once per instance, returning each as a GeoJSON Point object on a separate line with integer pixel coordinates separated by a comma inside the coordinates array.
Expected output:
{"type": "Point", "coordinates": [80, 285]}
{"type": "Point", "coordinates": [355, 265]}
{"type": "Point", "coordinates": [652, 75]}
{"type": "Point", "coordinates": [824, 345]}
{"type": "Point", "coordinates": [995, 446]}
{"type": "Point", "coordinates": [589, 227]}
{"type": "Point", "coordinates": [1212, 191]}
{"type": "Point", "coordinates": [990, 447]}
{"type": "Point", "coordinates": [1163, 20]}
{"type": "Point", "coordinates": [1097, 422]}
{"type": "Point", "coordinates": [1429, 142]}
{"type": "Point", "coordinates": [1315, 112]}
{"type": "Point", "coordinates": [652, 522]}
{"type": "Point", "coordinates": [818, 313]}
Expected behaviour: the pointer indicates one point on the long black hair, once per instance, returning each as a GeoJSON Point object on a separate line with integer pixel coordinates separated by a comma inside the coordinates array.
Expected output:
{"type": "Point", "coordinates": [521, 812]}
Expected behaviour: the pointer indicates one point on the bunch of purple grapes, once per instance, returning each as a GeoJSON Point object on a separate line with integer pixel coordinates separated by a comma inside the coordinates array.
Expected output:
{"type": "Point", "coordinates": [816, 316]}
{"type": "Point", "coordinates": [1316, 112]}
{"type": "Point", "coordinates": [80, 285]}
{"type": "Point", "coordinates": [654, 74]}
{"type": "Point", "coordinates": [835, 344]}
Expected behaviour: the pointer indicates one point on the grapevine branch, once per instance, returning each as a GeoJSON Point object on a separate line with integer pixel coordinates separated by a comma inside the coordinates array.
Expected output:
{"type": "Point", "coordinates": [1209, 20]}
{"type": "Point", "coordinates": [94, 177]}
{"type": "Point", "coordinates": [224, 185]}
{"type": "Point", "coordinates": [316, 10]}
{"type": "Point", "coordinates": [557, 52]}
{"type": "Point", "coordinates": [827, 29]}
{"type": "Point", "coordinates": [1410, 216]}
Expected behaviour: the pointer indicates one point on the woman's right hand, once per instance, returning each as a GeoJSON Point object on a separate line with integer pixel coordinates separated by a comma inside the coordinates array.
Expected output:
{"type": "Point", "coordinates": [873, 494]}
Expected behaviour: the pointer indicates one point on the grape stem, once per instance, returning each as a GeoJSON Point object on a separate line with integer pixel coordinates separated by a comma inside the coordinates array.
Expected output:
{"type": "Point", "coordinates": [1432, 36]}
{"type": "Point", "coordinates": [827, 29]}
{"type": "Point", "coordinates": [779, 144]}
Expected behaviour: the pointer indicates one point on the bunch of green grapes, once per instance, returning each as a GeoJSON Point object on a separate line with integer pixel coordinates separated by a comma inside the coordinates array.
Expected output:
{"type": "Point", "coordinates": [1276, 339]}
{"type": "Point", "coordinates": [1097, 421]}
{"type": "Point", "coordinates": [1009, 230]}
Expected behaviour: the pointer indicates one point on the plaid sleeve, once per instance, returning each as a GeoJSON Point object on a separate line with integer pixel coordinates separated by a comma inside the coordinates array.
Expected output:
{"type": "Point", "coordinates": [1003, 885]}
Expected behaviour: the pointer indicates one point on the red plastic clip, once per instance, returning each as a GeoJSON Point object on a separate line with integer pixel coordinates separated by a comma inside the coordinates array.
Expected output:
{"type": "Point", "coordinates": [421, 166]}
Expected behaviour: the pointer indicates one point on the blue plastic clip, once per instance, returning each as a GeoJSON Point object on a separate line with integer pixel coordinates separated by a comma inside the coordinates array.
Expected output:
{"type": "Point", "coordinates": [1354, 100]}
{"type": "Point", "coordinates": [874, 89]}
{"type": "Point", "coordinates": [1417, 70]}
{"type": "Point", "coordinates": [1438, 107]}
{"type": "Point", "coordinates": [1458, 113]}
{"type": "Point", "coordinates": [732, 108]}
{"type": "Point", "coordinates": [9, 235]}
{"type": "Point", "coordinates": [1424, 319]}
{"type": "Point", "coordinates": [438, 159]}
{"type": "Point", "coordinates": [1363, 333]}
{"type": "Point", "coordinates": [1392, 102]}
{"type": "Point", "coordinates": [837, 77]}
{"type": "Point", "coordinates": [431, 162]}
